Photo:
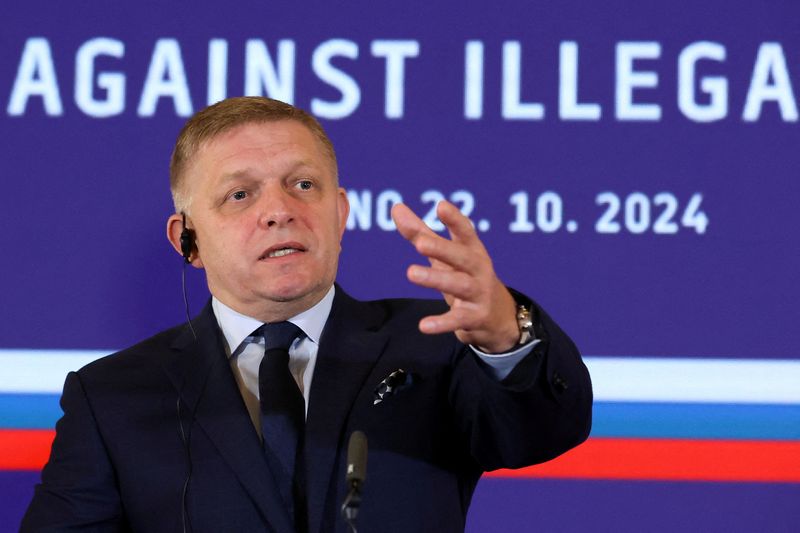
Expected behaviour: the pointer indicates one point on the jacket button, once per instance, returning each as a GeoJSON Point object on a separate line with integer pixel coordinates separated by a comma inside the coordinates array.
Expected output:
{"type": "Point", "coordinates": [559, 383]}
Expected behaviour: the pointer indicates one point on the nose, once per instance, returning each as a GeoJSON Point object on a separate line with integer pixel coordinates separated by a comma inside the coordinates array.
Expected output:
{"type": "Point", "coordinates": [277, 208]}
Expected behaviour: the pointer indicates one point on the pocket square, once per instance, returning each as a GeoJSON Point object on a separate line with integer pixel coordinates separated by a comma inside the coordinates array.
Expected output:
{"type": "Point", "coordinates": [392, 384]}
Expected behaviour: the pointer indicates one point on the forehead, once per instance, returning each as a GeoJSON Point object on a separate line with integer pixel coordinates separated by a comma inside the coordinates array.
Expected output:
{"type": "Point", "coordinates": [267, 142]}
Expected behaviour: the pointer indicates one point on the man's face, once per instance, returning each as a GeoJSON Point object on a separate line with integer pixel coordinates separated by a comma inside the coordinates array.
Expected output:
{"type": "Point", "coordinates": [268, 218]}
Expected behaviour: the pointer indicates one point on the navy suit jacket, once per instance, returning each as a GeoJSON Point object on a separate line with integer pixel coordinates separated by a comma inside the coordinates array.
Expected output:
{"type": "Point", "coordinates": [140, 423]}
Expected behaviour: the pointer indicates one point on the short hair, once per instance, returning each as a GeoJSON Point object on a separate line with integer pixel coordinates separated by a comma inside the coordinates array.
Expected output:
{"type": "Point", "coordinates": [224, 116]}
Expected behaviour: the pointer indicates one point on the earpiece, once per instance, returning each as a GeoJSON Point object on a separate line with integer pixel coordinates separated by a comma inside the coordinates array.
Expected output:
{"type": "Point", "coordinates": [187, 245]}
{"type": "Point", "coordinates": [187, 241]}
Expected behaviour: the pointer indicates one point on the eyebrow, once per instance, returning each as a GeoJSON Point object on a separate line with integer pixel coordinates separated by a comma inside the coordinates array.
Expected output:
{"type": "Point", "coordinates": [245, 174]}
{"type": "Point", "coordinates": [248, 173]}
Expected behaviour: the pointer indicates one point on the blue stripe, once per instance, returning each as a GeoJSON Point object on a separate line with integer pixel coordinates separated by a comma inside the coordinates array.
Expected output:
{"type": "Point", "coordinates": [611, 419]}
{"type": "Point", "coordinates": [29, 411]}
{"type": "Point", "coordinates": [695, 420]}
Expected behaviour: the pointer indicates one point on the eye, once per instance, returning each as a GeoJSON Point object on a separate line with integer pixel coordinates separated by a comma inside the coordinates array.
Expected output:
{"type": "Point", "coordinates": [305, 185]}
{"type": "Point", "coordinates": [239, 195]}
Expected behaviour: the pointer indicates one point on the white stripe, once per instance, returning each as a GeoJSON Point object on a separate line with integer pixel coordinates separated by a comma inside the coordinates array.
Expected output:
{"type": "Point", "coordinates": [620, 379]}
{"type": "Point", "coordinates": [655, 379]}
{"type": "Point", "coordinates": [41, 371]}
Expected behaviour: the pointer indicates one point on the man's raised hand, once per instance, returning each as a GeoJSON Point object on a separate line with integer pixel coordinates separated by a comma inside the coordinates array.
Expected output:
{"type": "Point", "coordinates": [482, 311]}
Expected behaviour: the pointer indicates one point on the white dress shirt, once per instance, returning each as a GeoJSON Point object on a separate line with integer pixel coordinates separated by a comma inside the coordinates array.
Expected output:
{"type": "Point", "coordinates": [246, 351]}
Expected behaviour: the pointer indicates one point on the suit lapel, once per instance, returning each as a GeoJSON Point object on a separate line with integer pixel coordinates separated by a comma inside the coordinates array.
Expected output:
{"type": "Point", "coordinates": [200, 372]}
{"type": "Point", "coordinates": [349, 348]}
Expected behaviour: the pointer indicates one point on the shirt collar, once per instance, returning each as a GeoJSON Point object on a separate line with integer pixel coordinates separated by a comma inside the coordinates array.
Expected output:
{"type": "Point", "coordinates": [236, 327]}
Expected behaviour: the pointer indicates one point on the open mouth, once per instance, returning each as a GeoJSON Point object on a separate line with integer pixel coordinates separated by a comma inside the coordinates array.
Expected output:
{"type": "Point", "coordinates": [282, 250]}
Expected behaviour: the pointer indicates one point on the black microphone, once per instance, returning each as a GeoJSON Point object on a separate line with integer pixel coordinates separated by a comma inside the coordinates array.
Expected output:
{"type": "Point", "coordinates": [355, 475]}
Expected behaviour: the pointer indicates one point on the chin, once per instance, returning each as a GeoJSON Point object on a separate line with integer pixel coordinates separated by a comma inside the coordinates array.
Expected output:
{"type": "Point", "coordinates": [292, 290]}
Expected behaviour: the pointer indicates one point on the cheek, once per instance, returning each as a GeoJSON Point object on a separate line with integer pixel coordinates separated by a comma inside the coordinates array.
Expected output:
{"type": "Point", "coordinates": [333, 239]}
{"type": "Point", "coordinates": [221, 247]}
{"type": "Point", "coordinates": [328, 246]}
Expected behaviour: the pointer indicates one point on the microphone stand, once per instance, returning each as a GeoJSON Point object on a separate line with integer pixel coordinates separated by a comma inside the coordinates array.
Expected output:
{"type": "Point", "coordinates": [355, 475]}
{"type": "Point", "coordinates": [351, 505]}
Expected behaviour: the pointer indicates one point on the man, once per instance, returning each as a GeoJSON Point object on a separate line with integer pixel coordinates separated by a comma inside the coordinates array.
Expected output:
{"type": "Point", "coordinates": [179, 431]}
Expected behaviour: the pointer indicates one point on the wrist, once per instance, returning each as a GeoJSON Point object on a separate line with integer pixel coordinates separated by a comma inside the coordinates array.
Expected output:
{"type": "Point", "coordinates": [507, 335]}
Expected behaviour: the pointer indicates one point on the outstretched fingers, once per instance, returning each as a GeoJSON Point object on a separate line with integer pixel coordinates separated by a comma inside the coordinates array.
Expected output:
{"type": "Point", "coordinates": [464, 253]}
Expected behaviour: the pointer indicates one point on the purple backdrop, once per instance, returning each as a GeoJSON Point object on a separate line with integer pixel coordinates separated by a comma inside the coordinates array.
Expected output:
{"type": "Point", "coordinates": [87, 266]}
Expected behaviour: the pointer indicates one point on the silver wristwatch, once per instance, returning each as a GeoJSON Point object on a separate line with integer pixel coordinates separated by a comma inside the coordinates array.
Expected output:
{"type": "Point", "coordinates": [525, 323]}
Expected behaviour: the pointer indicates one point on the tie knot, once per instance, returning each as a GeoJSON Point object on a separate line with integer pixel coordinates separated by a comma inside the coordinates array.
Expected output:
{"type": "Point", "coordinates": [279, 335]}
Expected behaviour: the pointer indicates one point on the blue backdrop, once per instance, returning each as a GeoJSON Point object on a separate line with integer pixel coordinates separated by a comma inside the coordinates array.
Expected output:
{"type": "Point", "coordinates": [639, 158]}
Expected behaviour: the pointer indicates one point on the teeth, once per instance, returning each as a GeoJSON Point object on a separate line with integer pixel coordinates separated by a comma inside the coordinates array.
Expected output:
{"type": "Point", "coordinates": [282, 252]}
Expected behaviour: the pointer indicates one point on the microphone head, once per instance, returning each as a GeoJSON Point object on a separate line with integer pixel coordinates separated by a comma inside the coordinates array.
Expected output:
{"type": "Point", "coordinates": [357, 458]}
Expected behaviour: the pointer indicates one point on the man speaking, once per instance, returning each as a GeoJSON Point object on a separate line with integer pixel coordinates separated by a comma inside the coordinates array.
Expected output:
{"type": "Point", "coordinates": [239, 419]}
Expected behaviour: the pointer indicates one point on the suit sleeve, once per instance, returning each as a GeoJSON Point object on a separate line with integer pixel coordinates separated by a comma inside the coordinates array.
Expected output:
{"type": "Point", "coordinates": [78, 491]}
{"type": "Point", "coordinates": [540, 410]}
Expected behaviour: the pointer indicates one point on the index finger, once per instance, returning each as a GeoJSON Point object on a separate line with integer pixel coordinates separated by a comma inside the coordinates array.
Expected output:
{"type": "Point", "coordinates": [459, 226]}
{"type": "Point", "coordinates": [408, 223]}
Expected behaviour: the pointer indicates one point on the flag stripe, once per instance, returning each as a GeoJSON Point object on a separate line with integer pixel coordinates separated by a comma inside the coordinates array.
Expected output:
{"type": "Point", "coordinates": [29, 411]}
{"type": "Point", "coordinates": [598, 458]}
{"type": "Point", "coordinates": [696, 421]}
{"type": "Point", "coordinates": [610, 419]}
{"type": "Point", "coordinates": [672, 459]}
{"type": "Point", "coordinates": [695, 380]}
{"type": "Point", "coordinates": [24, 449]}
{"type": "Point", "coordinates": [41, 371]}
{"type": "Point", "coordinates": [615, 379]}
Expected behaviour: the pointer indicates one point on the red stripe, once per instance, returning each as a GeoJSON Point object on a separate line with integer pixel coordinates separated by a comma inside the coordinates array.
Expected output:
{"type": "Point", "coordinates": [25, 449]}
{"type": "Point", "coordinates": [672, 459]}
{"type": "Point", "coordinates": [598, 458]}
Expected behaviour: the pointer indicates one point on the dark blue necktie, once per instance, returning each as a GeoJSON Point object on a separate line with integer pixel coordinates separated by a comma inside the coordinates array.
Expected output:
{"type": "Point", "coordinates": [282, 415]}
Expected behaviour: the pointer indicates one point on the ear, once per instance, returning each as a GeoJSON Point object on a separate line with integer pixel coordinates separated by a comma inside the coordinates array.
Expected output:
{"type": "Point", "coordinates": [343, 210]}
{"type": "Point", "coordinates": [174, 229]}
